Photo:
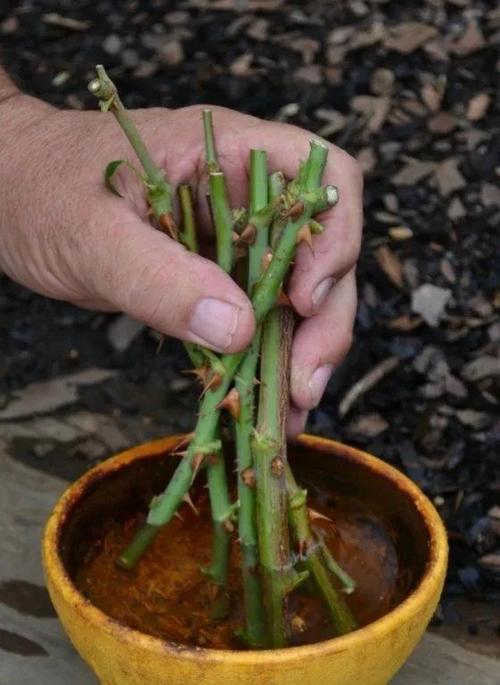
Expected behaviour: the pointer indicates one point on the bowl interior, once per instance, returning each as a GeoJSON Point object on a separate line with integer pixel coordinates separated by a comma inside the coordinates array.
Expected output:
{"type": "Point", "coordinates": [114, 493]}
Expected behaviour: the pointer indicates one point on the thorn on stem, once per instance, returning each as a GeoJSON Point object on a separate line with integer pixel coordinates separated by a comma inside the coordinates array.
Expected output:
{"type": "Point", "coordinates": [302, 548]}
{"type": "Point", "coordinates": [196, 464]}
{"type": "Point", "coordinates": [295, 210]}
{"type": "Point", "coordinates": [304, 236]}
{"type": "Point", "coordinates": [316, 516]}
{"type": "Point", "coordinates": [277, 467]}
{"type": "Point", "coordinates": [283, 299]}
{"type": "Point", "coordinates": [248, 234]}
{"type": "Point", "coordinates": [232, 403]}
{"type": "Point", "coordinates": [229, 526]}
{"type": "Point", "coordinates": [187, 499]}
{"type": "Point", "coordinates": [168, 226]}
{"type": "Point", "coordinates": [209, 379]}
{"type": "Point", "coordinates": [249, 478]}
{"type": "Point", "coordinates": [266, 260]}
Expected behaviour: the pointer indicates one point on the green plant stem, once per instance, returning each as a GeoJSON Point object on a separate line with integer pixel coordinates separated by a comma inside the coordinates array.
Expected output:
{"type": "Point", "coordinates": [269, 450]}
{"type": "Point", "coordinates": [255, 630]}
{"type": "Point", "coordinates": [219, 200]}
{"type": "Point", "coordinates": [201, 447]}
{"type": "Point", "coordinates": [188, 235]}
{"type": "Point", "coordinates": [220, 503]}
{"type": "Point", "coordinates": [210, 149]}
{"type": "Point", "coordinates": [223, 219]}
{"type": "Point", "coordinates": [314, 200]}
{"type": "Point", "coordinates": [311, 553]}
{"type": "Point", "coordinates": [334, 567]}
{"type": "Point", "coordinates": [221, 508]}
{"type": "Point", "coordinates": [165, 505]}
{"type": "Point", "coordinates": [189, 239]}
{"type": "Point", "coordinates": [158, 190]}
{"type": "Point", "coordinates": [276, 186]}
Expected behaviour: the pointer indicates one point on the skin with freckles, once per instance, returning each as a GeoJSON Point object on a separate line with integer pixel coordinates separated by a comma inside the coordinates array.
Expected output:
{"type": "Point", "coordinates": [65, 236]}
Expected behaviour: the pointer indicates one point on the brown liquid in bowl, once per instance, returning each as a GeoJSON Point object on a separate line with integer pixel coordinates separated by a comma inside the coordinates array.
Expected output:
{"type": "Point", "coordinates": [167, 595]}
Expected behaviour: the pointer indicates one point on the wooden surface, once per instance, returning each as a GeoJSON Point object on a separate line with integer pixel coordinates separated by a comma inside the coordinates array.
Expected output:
{"type": "Point", "coordinates": [34, 650]}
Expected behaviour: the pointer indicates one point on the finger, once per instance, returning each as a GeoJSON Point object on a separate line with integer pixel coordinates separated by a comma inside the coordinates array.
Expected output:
{"type": "Point", "coordinates": [296, 421]}
{"type": "Point", "coordinates": [336, 250]}
{"type": "Point", "coordinates": [143, 272]}
{"type": "Point", "coordinates": [321, 342]}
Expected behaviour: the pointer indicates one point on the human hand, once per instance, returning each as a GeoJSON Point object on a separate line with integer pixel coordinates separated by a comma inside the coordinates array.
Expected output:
{"type": "Point", "coordinates": [63, 235]}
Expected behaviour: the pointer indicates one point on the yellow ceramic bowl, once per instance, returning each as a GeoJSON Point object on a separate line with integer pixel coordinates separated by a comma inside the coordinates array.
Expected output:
{"type": "Point", "coordinates": [369, 656]}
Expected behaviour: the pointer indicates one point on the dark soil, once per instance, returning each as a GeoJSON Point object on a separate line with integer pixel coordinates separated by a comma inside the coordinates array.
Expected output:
{"type": "Point", "coordinates": [394, 93]}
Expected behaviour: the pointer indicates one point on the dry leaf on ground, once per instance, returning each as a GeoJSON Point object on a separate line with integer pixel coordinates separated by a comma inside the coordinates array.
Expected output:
{"type": "Point", "coordinates": [470, 41]}
{"type": "Point", "coordinates": [409, 36]}
{"type": "Point", "coordinates": [478, 106]}
{"type": "Point", "coordinates": [390, 265]}
{"type": "Point", "coordinates": [448, 177]}
{"type": "Point", "coordinates": [46, 396]}
{"type": "Point", "coordinates": [413, 172]}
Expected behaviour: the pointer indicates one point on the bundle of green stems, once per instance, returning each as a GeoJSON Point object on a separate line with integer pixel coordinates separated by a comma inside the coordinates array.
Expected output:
{"type": "Point", "coordinates": [268, 516]}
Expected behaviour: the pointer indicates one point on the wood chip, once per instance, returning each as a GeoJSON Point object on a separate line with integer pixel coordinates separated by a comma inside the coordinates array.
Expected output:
{"type": "Point", "coordinates": [442, 123]}
{"type": "Point", "coordinates": [432, 97]}
{"type": "Point", "coordinates": [456, 210]}
{"type": "Point", "coordinates": [494, 513]}
{"type": "Point", "coordinates": [366, 159]}
{"type": "Point", "coordinates": [480, 368]}
{"type": "Point", "coordinates": [430, 302]}
{"type": "Point", "coordinates": [400, 233]}
{"type": "Point", "coordinates": [490, 195]}
{"type": "Point", "coordinates": [409, 36]}
{"type": "Point", "coordinates": [307, 47]}
{"type": "Point", "coordinates": [54, 19]}
{"type": "Point", "coordinates": [258, 30]}
{"type": "Point", "coordinates": [478, 106]}
{"type": "Point", "coordinates": [390, 265]}
{"type": "Point", "coordinates": [340, 35]}
{"type": "Point", "coordinates": [491, 561]}
{"type": "Point", "coordinates": [242, 65]}
{"type": "Point", "coordinates": [171, 53]}
{"type": "Point", "coordinates": [405, 323]}
{"type": "Point", "coordinates": [447, 270]}
{"type": "Point", "coordinates": [9, 25]}
{"type": "Point", "coordinates": [413, 172]}
{"type": "Point", "coordinates": [123, 331]}
{"type": "Point", "coordinates": [366, 383]}
{"type": "Point", "coordinates": [391, 202]}
{"type": "Point", "coordinates": [471, 40]}
{"type": "Point", "coordinates": [368, 425]}
{"type": "Point", "coordinates": [310, 73]}
{"type": "Point", "coordinates": [382, 81]}
{"type": "Point", "coordinates": [373, 109]}
{"type": "Point", "coordinates": [46, 396]}
{"type": "Point", "coordinates": [448, 177]}
{"type": "Point", "coordinates": [480, 305]}
{"type": "Point", "coordinates": [474, 419]}
{"type": "Point", "coordinates": [385, 217]}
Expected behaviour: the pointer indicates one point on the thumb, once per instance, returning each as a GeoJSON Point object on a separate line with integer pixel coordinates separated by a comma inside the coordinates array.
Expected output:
{"type": "Point", "coordinates": [156, 280]}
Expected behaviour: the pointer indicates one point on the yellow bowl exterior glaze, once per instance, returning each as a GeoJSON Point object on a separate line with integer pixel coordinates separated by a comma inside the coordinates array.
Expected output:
{"type": "Point", "coordinates": [122, 656]}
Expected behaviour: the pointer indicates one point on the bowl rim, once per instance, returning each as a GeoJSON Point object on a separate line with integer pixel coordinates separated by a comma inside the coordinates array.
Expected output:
{"type": "Point", "coordinates": [431, 579]}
